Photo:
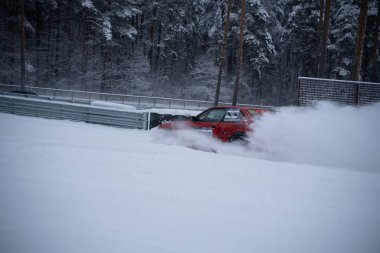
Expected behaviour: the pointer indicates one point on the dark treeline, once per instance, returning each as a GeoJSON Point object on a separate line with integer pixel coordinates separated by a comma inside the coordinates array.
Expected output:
{"type": "Point", "coordinates": [172, 48]}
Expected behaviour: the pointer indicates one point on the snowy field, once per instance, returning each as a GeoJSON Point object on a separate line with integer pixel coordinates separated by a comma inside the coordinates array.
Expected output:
{"type": "Point", "coordinates": [309, 182]}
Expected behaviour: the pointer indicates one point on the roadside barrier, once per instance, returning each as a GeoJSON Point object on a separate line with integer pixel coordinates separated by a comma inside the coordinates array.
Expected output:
{"type": "Point", "coordinates": [44, 107]}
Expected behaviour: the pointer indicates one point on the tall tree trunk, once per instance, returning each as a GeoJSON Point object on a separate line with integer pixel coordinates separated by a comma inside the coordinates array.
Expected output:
{"type": "Point", "coordinates": [319, 35]}
{"type": "Point", "coordinates": [86, 37]}
{"type": "Point", "coordinates": [70, 38]}
{"type": "Point", "coordinates": [223, 52]}
{"type": "Point", "coordinates": [325, 37]}
{"type": "Point", "coordinates": [106, 80]}
{"type": "Point", "coordinates": [57, 41]}
{"type": "Point", "coordinates": [375, 46]}
{"type": "Point", "coordinates": [152, 47]}
{"type": "Point", "coordinates": [49, 45]}
{"type": "Point", "coordinates": [141, 29]}
{"type": "Point", "coordinates": [356, 64]}
{"type": "Point", "coordinates": [39, 22]}
{"type": "Point", "coordinates": [39, 28]}
{"type": "Point", "coordinates": [158, 47]}
{"type": "Point", "coordinates": [151, 53]}
{"type": "Point", "coordinates": [22, 44]}
{"type": "Point", "coordinates": [240, 53]}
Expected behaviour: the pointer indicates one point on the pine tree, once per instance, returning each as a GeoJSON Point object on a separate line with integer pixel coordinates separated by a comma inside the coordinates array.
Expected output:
{"type": "Point", "coordinates": [343, 32]}
{"type": "Point", "coordinates": [300, 23]}
{"type": "Point", "coordinates": [260, 49]}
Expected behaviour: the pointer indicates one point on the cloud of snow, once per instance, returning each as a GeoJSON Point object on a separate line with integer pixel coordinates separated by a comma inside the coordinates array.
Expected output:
{"type": "Point", "coordinates": [189, 138]}
{"type": "Point", "coordinates": [325, 134]}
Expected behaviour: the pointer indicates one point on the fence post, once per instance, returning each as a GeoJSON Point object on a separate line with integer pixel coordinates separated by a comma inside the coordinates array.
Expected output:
{"type": "Point", "coordinates": [299, 90]}
{"type": "Point", "coordinates": [357, 93]}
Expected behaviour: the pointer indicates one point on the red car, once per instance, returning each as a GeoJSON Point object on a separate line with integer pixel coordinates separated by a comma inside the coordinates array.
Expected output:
{"type": "Point", "coordinates": [228, 123]}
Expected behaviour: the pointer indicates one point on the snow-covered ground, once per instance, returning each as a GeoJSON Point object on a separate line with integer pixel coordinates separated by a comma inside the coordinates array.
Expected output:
{"type": "Point", "coordinates": [310, 182]}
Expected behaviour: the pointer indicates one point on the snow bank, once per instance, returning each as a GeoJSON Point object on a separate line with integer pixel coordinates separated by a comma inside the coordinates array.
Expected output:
{"type": "Point", "coordinates": [70, 187]}
{"type": "Point", "coordinates": [183, 112]}
{"type": "Point", "coordinates": [155, 110]}
{"type": "Point", "coordinates": [113, 105]}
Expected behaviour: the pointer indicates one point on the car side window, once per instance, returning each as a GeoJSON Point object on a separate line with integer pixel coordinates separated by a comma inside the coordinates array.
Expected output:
{"type": "Point", "coordinates": [213, 115]}
{"type": "Point", "coordinates": [233, 115]}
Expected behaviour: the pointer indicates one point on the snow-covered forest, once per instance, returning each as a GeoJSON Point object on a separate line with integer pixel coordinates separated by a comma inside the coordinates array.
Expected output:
{"type": "Point", "coordinates": [172, 48]}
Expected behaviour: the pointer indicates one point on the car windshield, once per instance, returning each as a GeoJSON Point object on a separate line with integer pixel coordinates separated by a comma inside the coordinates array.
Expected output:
{"type": "Point", "coordinates": [212, 115]}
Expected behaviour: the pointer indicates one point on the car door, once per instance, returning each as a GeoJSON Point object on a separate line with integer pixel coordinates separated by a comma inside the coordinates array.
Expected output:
{"type": "Point", "coordinates": [233, 123]}
{"type": "Point", "coordinates": [210, 121]}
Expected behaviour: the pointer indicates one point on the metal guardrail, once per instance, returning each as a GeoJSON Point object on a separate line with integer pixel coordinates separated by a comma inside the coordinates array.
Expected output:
{"type": "Point", "coordinates": [45, 108]}
{"type": "Point", "coordinates": [137, 101]}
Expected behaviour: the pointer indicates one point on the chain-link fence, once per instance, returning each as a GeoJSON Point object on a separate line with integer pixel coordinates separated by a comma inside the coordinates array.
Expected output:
{"type": "Point", "coordinates": [338, 91]}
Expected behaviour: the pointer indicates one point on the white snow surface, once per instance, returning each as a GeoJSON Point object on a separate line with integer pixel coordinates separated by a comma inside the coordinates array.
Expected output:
{"type": "Point", "coordinates": [88, 3]}
{"type": "Point", "coordinates": [309, 182]}
{"type": "Point", "coordinates": [113, 105]}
